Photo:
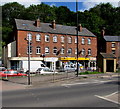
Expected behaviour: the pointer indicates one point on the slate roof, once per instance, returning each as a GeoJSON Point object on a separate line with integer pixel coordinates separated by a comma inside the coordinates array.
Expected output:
{"type": "Point", "coordinates": [108, 55]}
{"type": "Point", "coordinates": [112, 38]}
{"type": "Point", "coordinates": [28, 25]}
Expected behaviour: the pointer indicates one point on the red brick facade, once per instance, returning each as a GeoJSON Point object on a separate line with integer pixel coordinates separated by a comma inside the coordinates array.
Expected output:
{"type": "Point", "coordinates": [22, 44]}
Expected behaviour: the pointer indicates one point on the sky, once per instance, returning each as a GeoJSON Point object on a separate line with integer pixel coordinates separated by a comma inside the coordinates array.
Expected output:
{"type": "Point", "coordinates": [71, 4]}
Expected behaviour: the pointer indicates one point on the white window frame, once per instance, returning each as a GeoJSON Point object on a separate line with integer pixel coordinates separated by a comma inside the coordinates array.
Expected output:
{"type": "Point", "coordinates": [54, 38]}
{"type": "Point", "coordinates": [69, 39]}
{"type": "Point", "coordinates": [62, 39]}
{"type": "Point", "coordinates": [89, 52]}
{"type": "Point", "coordinates": [62, 50]}
{"type": "Point", "coordinates": [83, 52]}
{"type": "Point", "coordinates": [83, 41]}
{"type": "Point", "coordinates": [38, 37]}
{"type": "Point", "coordinates": [47, 38]}
{"type": "Point", "coordinates": [75, 50]}
{"type": "Point", "coordinates": [75, 40]}
{"type": "Point", "coordinates": [38, 50]}
{"type": "Point", "coordinates": [30, 49]}
{"type": "Point", "coordinates": [69, 51]}
{"type": "Point", "coordinates": [89, 41]}
{"type": "Point", "coordinates": [47, 50]}
{"type": "Point", "coordinates": [54, 50]}
{"type": "Point", "coordinates": [29, 36]}
{"type": "Point", "coordinates": [113, 45]}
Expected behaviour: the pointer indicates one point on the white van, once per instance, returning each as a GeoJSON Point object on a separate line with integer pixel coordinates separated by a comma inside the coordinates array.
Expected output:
{"type": "Point", "coordinates": [34, 65]}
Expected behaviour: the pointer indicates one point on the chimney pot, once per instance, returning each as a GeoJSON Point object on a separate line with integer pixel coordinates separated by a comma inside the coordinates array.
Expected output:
{"type": "Point", "coordinates": [53, 24]}
{"type": "Point", "coordinates": [80, 28]}
{"type": "Point", "coordinates": [103, 32]}
{"type": "Point", "coordinates": [37, 22]}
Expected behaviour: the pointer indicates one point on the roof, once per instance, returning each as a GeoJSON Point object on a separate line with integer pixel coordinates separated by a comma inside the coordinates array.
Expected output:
{"type": "Point", "coordinates": [108, 55]}
{"type": "Point", "coordinates": [112, 38]}
{"type": "Point", "coordinates": [28, 25]}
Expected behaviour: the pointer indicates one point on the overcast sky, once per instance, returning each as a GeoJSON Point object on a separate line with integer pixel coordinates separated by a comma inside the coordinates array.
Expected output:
{"type": "Point", "coordinates": [83, 4]}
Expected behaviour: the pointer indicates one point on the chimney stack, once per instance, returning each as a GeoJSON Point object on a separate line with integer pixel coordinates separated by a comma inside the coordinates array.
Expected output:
{"type": "Point", "coordinates": [103, 32]}
{"type": "Point", "coordinates": [80, 28]}
{"type": "Point", "coordinates": [53, 24]}
{"type": "Point", "coordinates": [37, 22]}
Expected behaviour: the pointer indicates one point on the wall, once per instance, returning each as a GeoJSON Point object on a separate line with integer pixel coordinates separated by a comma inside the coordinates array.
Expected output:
{"type": "Point", "coordinates": [22, 44]}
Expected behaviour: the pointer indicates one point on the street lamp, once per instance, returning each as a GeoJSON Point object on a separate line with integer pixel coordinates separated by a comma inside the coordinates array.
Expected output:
{"type": "Point", "coordinates": [77, 36]}
{"type": "Point", "coordinates": [29, 43]}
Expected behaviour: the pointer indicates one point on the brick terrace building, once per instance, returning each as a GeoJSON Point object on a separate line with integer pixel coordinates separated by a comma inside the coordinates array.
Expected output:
{"type": "Point", "coordinates": [56, 42]}
{"type": "Point", "coordinates": [111, 46]}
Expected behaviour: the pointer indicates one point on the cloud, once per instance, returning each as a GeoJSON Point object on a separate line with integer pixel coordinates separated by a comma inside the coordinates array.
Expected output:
{"type": "Point", "coordinates": [53, 4]}
{"type": "Point", "coordinates": [87, 4]}
{"type": "Point", "coordinates": [26, 3]}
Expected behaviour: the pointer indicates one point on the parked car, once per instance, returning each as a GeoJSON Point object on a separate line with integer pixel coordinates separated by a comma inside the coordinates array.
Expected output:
{"type": "Point", "coordinates": [45, 70]}
{"type": "Point", "coordinates": [68, 68]}
{"type": "Point", "coordinates": [11, 73]}
{"type": "Point", "coordinates": [2, 68]}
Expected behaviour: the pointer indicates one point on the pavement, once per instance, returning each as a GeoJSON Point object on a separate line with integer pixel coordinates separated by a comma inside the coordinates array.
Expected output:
{"type": "Point", "coordinates": [37, 81]}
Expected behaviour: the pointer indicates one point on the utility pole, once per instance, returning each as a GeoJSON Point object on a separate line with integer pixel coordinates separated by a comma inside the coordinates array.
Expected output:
{"type": "Point", "coordinates": [29, 43]}
{"type": "Point", "coordinates": [77, 36]}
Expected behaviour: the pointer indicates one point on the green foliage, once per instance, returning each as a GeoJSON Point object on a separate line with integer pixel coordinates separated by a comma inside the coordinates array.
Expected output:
{"type": "Point", "coordinates": [102, 15]}
{"type": "Point", "coordinates": [88, 72]}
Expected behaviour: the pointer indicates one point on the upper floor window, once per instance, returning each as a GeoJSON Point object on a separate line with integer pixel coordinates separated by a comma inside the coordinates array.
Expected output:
{"type": "Point", "coordinates": [38, 51]}
{"type": "Point", "coordinates": [69, 39]}
{"type": "Point", "coordinates": [70, 51]}
{"type": "Point", "coordinates": [75, 40]}
{"type": "Point", "coordinates": [113, 44]}
{"type": "Point", "coordinates": [29, 36]}
{"type": "Point", "coordinates": [89, 41]}
{"type": "Point", "coordinates": [54, 38]}
{"type": "Point", "coordinates": [38, 38]}
{"type": "Point", "coordinates": [62, 39]}
{"type": "Point", "coordinates": [83, 40]}
{"type": "Point", "coordinates": [29, 50]}
{"type": "Point", "coordinates": [54, 50]}
{"type": "Point", "coordinates": [83, 52]}
{"type": "Point", "coordinates": [62, 50]}
{"type": "Point", "coordinates": [89, 52]}
{"type": "Point", "coordinates": [46, 50]}
{"type": "Point", "coordinates": [113, 51]}
{"type": "Point", "coordinates": [76, 51]}
{"type": "Point", "coordinates": [47, 38]}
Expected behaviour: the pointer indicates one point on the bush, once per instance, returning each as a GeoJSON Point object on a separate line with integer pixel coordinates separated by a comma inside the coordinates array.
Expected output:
{"type": "Point", "coordinates": [88, 72]}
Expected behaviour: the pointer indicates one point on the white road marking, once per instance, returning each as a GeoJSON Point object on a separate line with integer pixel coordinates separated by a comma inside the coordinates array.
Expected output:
{"type": "Point", "coordinates": [107, 99]}
{"type": "Point", "coordinates": [81, 83]}
{"type": "Point", "coordinates": [112, 94]}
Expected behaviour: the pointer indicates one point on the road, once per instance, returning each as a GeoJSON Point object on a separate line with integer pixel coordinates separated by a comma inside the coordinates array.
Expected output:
{"type": "Point", "coordinates": [81, 94]}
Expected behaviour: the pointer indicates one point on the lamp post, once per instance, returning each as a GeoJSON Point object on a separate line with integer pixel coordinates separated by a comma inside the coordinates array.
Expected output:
{"type": "Point", "coordinates": [29, 43]}
{"type": "Point", "coordinates": [28, 60]}
{"type": "Point", "coordinates": [77, 36]}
